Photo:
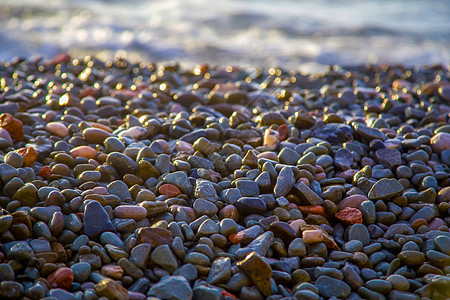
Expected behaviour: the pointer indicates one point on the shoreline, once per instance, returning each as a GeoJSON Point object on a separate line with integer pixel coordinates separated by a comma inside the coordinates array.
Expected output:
{"type": "Point", "coordinates": [132, 180]}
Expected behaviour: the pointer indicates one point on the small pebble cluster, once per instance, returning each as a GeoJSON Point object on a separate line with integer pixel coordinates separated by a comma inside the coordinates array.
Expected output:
{"type": "Point", "coordinates": [144, 181]}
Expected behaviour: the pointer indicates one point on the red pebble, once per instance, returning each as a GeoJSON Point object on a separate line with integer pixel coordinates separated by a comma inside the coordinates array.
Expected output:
{"type": "Point", "coordinates": [61, 278]}
{"type": "Point", "coordinates": [283, 132]}
{"type": "Point", "coordinates": [169, 190]}
{"type": "Point", "coordinates": [45, 172]}
{"type": "Point", "coordinates": [89, 91]}
{"type": "Point", "coordinates": [350, 216]}
{"type": "Point", "coordinates": [60, 58]}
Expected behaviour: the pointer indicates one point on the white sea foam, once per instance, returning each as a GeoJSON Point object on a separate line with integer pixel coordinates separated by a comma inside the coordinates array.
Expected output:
{"type": "Point", "coordinates": [252, 32]}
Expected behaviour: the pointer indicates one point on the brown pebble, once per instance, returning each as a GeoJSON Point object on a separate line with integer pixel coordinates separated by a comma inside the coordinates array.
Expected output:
{"type": "Point", "coordinates": [113, 271]}
{"type": "Point", "coordinates": [95, 135]}
{"type": "Point", "coordinates": [58, 129]}
{"type": "Point", "coordinates": [12, 125]}
{"type": "Point", "coordinates": [111, 289]}
{"type": "Point", "coordinates": [130, 212]}
{"type": "Point", "coordinates": [83, 151]}
{"type": "Point", "coordinates": [312, 236]}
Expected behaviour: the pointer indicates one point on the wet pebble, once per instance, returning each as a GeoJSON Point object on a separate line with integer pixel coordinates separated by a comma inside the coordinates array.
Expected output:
{"type": "Point", "coordinates": [120, 190]}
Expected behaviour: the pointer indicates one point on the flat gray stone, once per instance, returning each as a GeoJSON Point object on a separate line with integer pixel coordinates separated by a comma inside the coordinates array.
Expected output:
{"type": "Point", "coordinates": [360, 233]}
{"type": "Point", "coordinates": [329, 287]}
{"type": "Point", "coordinates": [285, 182]}
{"type": "Point", "coordinates": [163, 256]}
{"type": "Point", "coordinates": [172, 287]}
{"type": "Point", "coordinates": [220, 271]}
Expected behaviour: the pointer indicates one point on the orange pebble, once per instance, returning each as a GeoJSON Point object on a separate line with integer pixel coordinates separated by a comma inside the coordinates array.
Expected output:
{"type": "Point", "coordinates": [228, 294]}
{"type": "Point", "coordinates": [12, 125]}
{"type": "Point", "coordinates": [29, 156]}
{"type": "Point", "coordinates": [313, 209]}
{"type": "Point", "coordinates": [45, 172]}
{"type": "Point", "coordinates": [236, 237]}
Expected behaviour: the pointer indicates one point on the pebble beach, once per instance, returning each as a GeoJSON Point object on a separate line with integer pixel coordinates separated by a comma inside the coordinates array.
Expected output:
{"type": "Point", "coordinates": [122, 180]}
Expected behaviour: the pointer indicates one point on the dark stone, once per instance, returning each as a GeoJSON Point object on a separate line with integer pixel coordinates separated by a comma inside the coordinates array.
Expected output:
{"type": "Point", "coordinates": [96, 220]}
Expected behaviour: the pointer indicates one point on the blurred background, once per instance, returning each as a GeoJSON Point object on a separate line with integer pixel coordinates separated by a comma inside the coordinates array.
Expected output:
{"type": "Point", "coordinates": [288, 33]}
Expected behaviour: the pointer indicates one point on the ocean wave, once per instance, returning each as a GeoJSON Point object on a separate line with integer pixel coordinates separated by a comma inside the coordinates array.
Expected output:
{"type": "Point", "coordinates": [289, 33]}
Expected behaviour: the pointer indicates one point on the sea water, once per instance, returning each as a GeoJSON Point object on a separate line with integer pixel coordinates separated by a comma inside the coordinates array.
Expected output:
{"type": "Point", "coordinates": [288, 33]}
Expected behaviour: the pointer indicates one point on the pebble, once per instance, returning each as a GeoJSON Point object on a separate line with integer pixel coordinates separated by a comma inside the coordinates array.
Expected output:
{"type": "Point", "coordinates": [113, 271]}
{"type": "Point", "coordinates": [188, 271]}
{"type": "Point", "coordinates": [83, 151]}
{"type": "Point", "coordinates": [353, 246]}
{"type": "Point", "coordinates": [349, 216]}
{"type": "Point", "coordinates": [11, 290]}
{"type": "Point", "coordinates": [385, 188]}
{"type": "Point", "coordinates": [380, 286]}
{"type": "Point", "coordinates": [111, 289]}
{"type": "Point", "coordinates": [58, 129]}
{"type": "Point", "coordinates": [368, 211]}
{"type": "Point", "coordinates": [81, 271]}
{"type": "Point", "coordinates": [61, 278]}
{"type": "Point", "coordinates": [14, 159]}
{"type": "Point", "coordinates": [120, 189]}
{"type": "Point", "coordinates": [306, 195]}
{"type": "Point", "coordinates": [411, 258]}
{"type": "Point", "coordinates": [359, 232]}
{"type": "Point", "coordinates": [329, 191]}
{"type": "Point", "coordinates": [163, 256]}
{"type": "Point", "coordinates": [113, 144]}
{"type": "Point", "coordinates": [96, 219]}
{"type": "Point", "coordinates": [220, 271]}
{"type": "Point", "coordinates": [389, 158]}
{"type": "Point", "coordinates": [130, 212]}
{"type": "Point", "coordinates": [343, 159]}
{"type": "Point", "coordinates": [398, 282]}
{"type": "Point", "coordinates": [440, 142]}
{"type": "Point", "coordinates": [312, 236]}
{"type": "Point", "coordinates": [172, 287]}
{"type": "Point", "coordinates": [259, 272]}
{"type": "Point", "coordinates": [285, 182]}
{"type": "Point", "coordinates": [297, 248]}
{"type": "Point", "coordinates": [329, 287]}
{"type": "Point", "coordinates": [204, 292]}
{"type": "Point", "coordinates": [139, 255]}
{"type": "Point", "coordinates": [6, 273]}
{"type": "Point", "coordinates": [442, 243]}
{"type": "Point", "coordinates": [260, 245]}
{"type": "Point", "coordinates": [250, 205]}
